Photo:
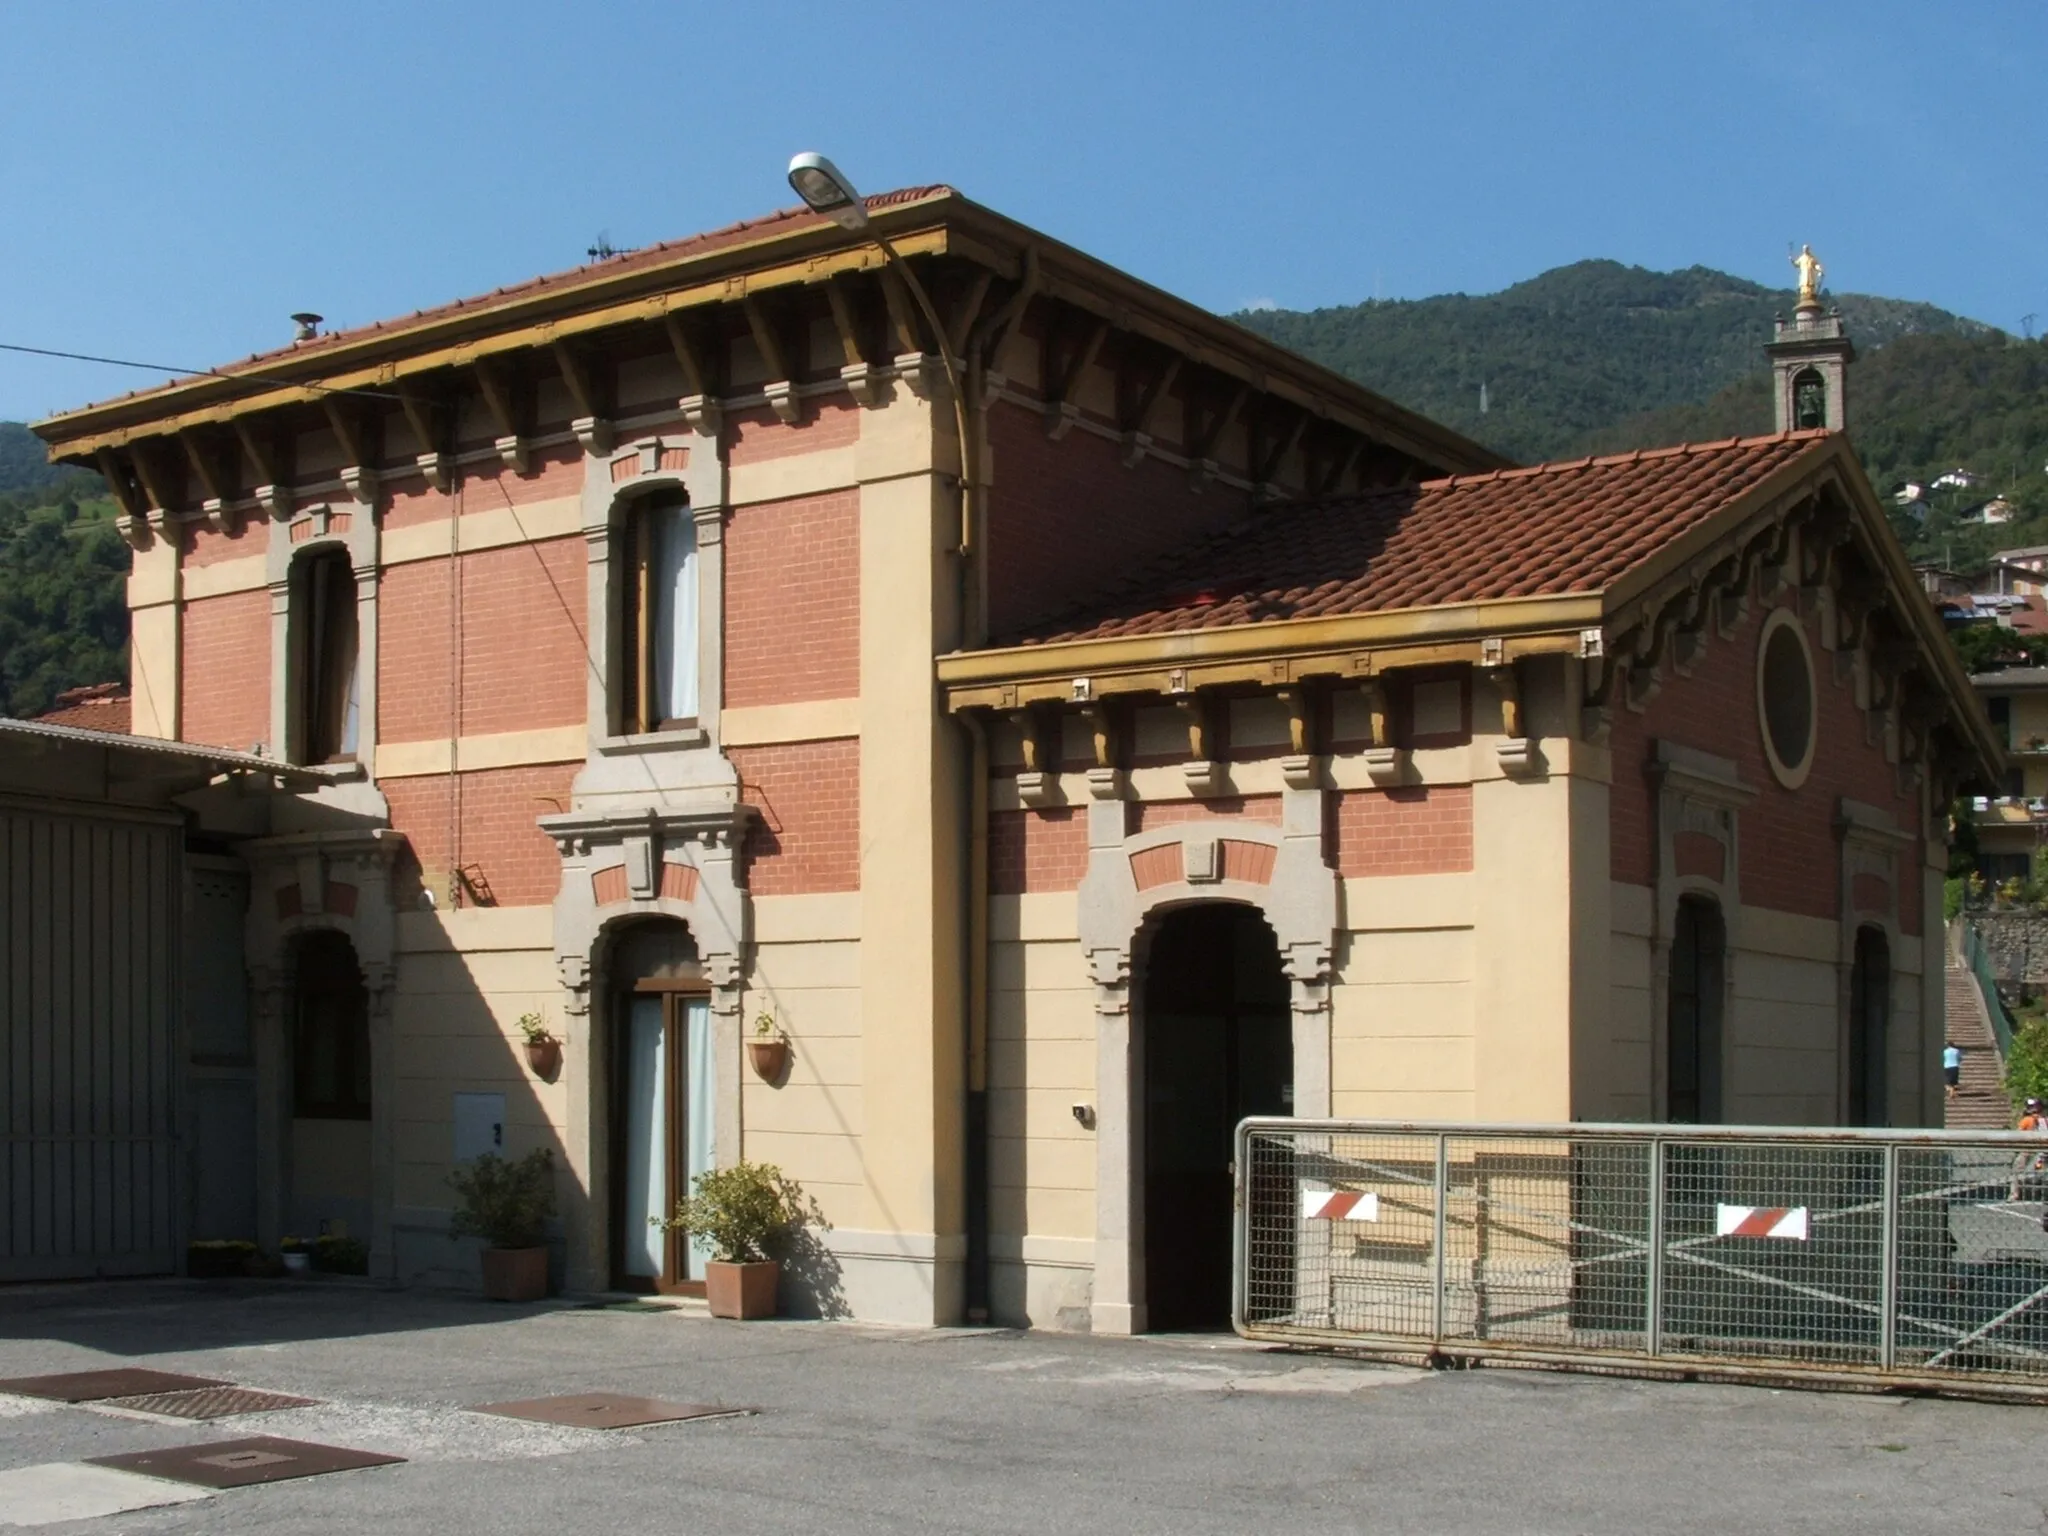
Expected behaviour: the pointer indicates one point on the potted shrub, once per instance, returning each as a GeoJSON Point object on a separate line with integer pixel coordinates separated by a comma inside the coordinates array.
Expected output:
{"type": "Point", "coordinates": [769, 1049]}
{"type": "Point", "coordinates": [297, 1261]}
{"type": "Point", "coordinates": [543, 1050]}
{"type": "Point", "coordinates": [743, 1212]}
{"type": "Point", "coordinates": [507, 1204]}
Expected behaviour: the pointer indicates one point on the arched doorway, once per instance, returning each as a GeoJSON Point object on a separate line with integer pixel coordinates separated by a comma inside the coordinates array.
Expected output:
{"type": "Point", "coordinates": [663, 1093]}
{"type": "Point", "coordinates": [1218, 1046]}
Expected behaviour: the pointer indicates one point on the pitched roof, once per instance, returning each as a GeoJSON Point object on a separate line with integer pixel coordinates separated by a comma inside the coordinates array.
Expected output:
{"type": "Point", "coordinates": [622, 263]}
{"type": "Point", "coordinates": [1547, 530]}
{"type": "Point", "coordinates": [95, 707]}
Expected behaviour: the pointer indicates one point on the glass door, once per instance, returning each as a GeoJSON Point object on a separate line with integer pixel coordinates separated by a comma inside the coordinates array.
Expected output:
{"type": "Point", "coordinates": [665, 1132]}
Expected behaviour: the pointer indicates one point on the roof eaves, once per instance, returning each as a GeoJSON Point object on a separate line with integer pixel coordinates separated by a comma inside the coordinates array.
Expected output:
{"type": "Point", "coordinates": [194, 754]}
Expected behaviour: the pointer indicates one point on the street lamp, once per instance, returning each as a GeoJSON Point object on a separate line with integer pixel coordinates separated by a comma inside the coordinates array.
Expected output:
{"type": "Point", "coordinates": [825, 189]}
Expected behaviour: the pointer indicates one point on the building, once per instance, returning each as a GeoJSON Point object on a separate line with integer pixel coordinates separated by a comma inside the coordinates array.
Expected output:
{"type": "Point", "coordinates": [1156, 729]}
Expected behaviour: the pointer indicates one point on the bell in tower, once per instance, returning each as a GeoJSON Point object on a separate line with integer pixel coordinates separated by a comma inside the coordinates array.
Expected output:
{"type": "Point", "coordinates": [1810, 357]}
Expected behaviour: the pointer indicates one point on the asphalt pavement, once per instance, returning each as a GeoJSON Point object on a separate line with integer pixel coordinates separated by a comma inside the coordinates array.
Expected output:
{"type": "Point", "coordinates": [851, 1428]}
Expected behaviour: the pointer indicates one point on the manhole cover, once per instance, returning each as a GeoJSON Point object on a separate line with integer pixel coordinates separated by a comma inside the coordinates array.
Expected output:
{"type": "Point", "coordinates": [605, 1410]}
{"type": "Point", "coordinates": [242, 1463]}
{"type": "Point", "coordinates": [91, 1386]}
{"type": "Point", "coordinates": [211, 1402]}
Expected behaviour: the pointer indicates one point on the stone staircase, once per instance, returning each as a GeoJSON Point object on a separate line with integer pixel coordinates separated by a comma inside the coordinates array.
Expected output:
{"type": "Point", "coordinates": [1980, 1103]}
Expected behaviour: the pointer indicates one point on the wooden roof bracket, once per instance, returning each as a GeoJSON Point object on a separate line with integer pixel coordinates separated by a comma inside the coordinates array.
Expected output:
{"type": "Point", "coordinates": [592, 423]}
{"type": "Point", "coordinates": [514, 451]}
{"type": "Point", "coordinates": [273, 489]}
{"type": "Point", "coordinates": [1060, 377]}
{"type": "Point", "coordinates": [433, 462]}
{"type": "Point", "coordinates": [781, 387]}
{"type": "Point", "coordinates": [1138, 399]}
{"type": "Point", "coordinates": [856, 372]}
{"type": "Point", "coordinates": [219, 515]}
{"type": "Point", "coordinates": [699, 401]}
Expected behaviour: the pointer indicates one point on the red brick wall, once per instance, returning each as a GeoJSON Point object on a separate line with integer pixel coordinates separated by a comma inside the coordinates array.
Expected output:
{"type": "Point", "coordinates": [411, 501]}
{"type": "Point", "coordinates": [414, 652]}
{"type": "Point", "coordinates": [205, 547]}
{"type": "Point", "coordinates": [496, 811]}
{"type": "Point", "coordinates": [1416, 830]}
{"type": "Point", "coordinates": [1066, 518]}
{"type": "Point", "coordinates": [525, 661]}
{"type": "Point", "coordinates": [1037, 851]}
{"type": "Point", "coordinates": [751, 436]}
{"type": "Point", "coordinates": [224, 671]}
{"type": "Point", "coordinates": [792, 600]}
{"type": "Point", "coordinates": [808, 836]}
{"type": "Point", "coordinates": [1789, 854]}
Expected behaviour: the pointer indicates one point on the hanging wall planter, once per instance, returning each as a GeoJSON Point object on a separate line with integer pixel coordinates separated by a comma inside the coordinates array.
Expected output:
{"type": "Point", "coordinates": [543, 1050]}
{"type": "Point", "coordinates": [769, 1049]}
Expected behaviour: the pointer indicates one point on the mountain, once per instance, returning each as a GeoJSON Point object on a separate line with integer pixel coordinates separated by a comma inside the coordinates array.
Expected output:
{"type": "Point", "coordinates": [24, 466]}
{"type": "Point", "coordinates": [1574, 351]}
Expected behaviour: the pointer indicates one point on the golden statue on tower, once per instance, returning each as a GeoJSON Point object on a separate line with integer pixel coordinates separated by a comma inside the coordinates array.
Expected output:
{"type": "Point", "coordinates": [1810, 274]}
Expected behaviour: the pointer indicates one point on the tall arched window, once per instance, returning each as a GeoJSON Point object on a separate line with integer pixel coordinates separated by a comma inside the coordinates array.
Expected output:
{"type": "Point", "coordinates": [1870, 1001]}
{"type": "Point", "coordinates": [1809, 399]}
{"type": "Point", "coordinates": [331, 1031]}
{"type": "Point", "coordinates": [323, 637]}
{"type": "Point", "coordinates": [1692, 1060]}
{"type": "Point", "coordinates": [658, 628]}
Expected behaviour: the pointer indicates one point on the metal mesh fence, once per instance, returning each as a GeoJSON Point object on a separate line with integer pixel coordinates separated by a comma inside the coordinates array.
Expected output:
{"type": "Point", "coordinates": [1907, 1256]}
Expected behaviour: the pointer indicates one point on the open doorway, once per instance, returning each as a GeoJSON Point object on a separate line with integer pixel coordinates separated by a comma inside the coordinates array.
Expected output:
{"type": "Point", "coordinates": [1218, 1046]}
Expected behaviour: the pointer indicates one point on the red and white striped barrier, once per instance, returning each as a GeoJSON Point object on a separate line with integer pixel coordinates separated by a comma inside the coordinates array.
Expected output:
{"type": "Point", "coordinates": [1760, 1221]}
{"type": "Point", "coordinates": [1339, 1205]}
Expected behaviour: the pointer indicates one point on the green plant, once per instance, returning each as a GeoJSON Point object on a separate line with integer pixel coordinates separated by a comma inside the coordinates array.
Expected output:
{"type": "Point", "coordinates": [535, 1027]}
{"type": "Point", "coordinates": [766, 1026]}
{"type": "Point", "coordinates": [743, 1211]}
{"type": "Point", "coordinates": [2026, 1067]}
{"type": "Point", "coordinates": [291, 1245]}
{"type": "Point", "coordinates": [505, 1203]}
{"type": "Point", "coordinates": [340, 1255]}
{"type": "Point", "coordinates": [1952, 893]}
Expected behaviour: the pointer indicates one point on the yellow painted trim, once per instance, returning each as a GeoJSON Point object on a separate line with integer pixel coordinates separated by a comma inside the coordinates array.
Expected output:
{"type": "Point", "coordinates": [760, 725]}
{"type": "Point", "coordinates": [792, 475]}
{"type": "Point", "coordinates": [243, 574]}
{"type": "Point", "coordinates": [501, 749]}
{"type": "Point", "coordinates": [559, 517]}
{"type": "Point", "coordinates": [822, 917]}
{"type": "Point", "coordinates": [1528, 626]}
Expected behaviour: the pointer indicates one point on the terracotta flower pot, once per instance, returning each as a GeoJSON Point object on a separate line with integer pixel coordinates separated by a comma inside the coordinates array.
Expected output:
{"type": "Point", "coordinates": [770, 1058]}
{"type": "Point", "coordinates": [545, 1058]}
{"type": "Point", "coordinates": [741, 1290]}
{"type": "Point", "coordinates": [515, 1274]}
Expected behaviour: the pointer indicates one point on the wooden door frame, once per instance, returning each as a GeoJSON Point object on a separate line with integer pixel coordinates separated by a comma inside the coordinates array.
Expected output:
{"type": "Point", "coordinates": [675, 994]}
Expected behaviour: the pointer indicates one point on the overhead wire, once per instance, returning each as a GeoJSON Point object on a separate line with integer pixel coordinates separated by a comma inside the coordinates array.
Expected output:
{"type": "Point", "coordinates": [200, 373]}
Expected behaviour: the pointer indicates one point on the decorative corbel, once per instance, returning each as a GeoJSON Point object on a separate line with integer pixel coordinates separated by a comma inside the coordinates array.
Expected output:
{"type": "Point", "coordinates": [856, 372]}
{"type": "Point", "coordinates": [781, 386]}
{"type": "Point", "coordinates": [358, 473]}
{"type": "Point", "coordinates": [1203, 772]}
{"type": "Point", "coordinates": [1061, 375]}
{"type": "Point", "coordinates": [1517, 751]}
{"type": "Point", "coordinates": [592, 422]}
{"type": "Point", "coordinates": [1271, 451]}
{"type": "Point", "coordinates": [699, 402]}
{"type": "Point", "coordinates": [1298, 767]}
{"type": "Point", "coordinates": [220, 517]}
{"type": "Point", "coordinates": [156, 485]}
{"type": "Point", "coordinates": [1138, 399]}
{"type": "Point", "coordinates": [273, 489]}
{"type": "Point", "coordinates": [513, 450]}
{"type": "Point", "coordinates": [1336, 465]}
{"type": "Point", "coordinates": [1037, 784]}
{"type": "Point", "coordinates": [1104, 779]}
{"type": "Point", "coordinates": [131, 521]}
{"type": "Point", "coordinates": [1383, 760]}
{"type": "Point", "coordinates": [437, 466]}
{"type": "Point", "coordinates": [1202, 431]}
{"type": "Point", "coordinates": [997, 332]}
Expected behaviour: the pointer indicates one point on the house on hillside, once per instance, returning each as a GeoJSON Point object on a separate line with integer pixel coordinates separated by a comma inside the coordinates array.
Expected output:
{"type": "Point", "coordinates": [1156, 729]}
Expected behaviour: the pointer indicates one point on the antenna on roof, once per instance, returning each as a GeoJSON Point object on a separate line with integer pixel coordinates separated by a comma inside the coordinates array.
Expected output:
{"type": "Point", "coordinates": [604, 250]}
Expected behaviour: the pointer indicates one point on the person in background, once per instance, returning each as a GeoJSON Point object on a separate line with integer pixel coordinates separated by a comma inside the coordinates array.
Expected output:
{"type": "Point", "coordinates": [2035, 1119]}
{"type": "Point", "coordinates": [1952, 1066]}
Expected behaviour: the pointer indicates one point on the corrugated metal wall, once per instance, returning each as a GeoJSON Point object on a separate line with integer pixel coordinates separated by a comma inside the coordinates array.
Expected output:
{"type": "Point", "coordinates": [90, 982]}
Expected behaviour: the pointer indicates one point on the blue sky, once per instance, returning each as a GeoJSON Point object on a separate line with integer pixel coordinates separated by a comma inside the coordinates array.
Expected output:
{"type": "Point", "coordinates": [175, 180]}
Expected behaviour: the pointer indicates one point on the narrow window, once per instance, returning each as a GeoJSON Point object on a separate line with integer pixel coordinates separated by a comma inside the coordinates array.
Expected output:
{"type": "Point", "coordinates": [1693, 1056]}
{"type": "Point", "coordinates": [658, 688]}
{"type": "Point", "coordinates": [1870, 999]}
{"type": "Point", "coordinates": [1809, 400]}
{"type": "Point", "coordinates": [323, 623]}
{"type": "Point", "coordinates": [331, 1032]}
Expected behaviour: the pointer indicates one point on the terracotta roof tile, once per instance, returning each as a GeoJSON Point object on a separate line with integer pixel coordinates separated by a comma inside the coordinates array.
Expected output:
{"type": "Point", "coordinates": [96, 707]}
{"type": "Point", "coordinates": [1545, 530]}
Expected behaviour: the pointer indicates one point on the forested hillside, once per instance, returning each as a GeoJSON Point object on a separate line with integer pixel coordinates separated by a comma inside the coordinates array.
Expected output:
{"type": "Point", "coordinates": [63, 608]}
{"type": "Point", "coordinates": [1573, 351]}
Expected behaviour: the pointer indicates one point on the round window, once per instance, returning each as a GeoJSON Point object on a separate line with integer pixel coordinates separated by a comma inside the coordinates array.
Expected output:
{"type": "Point", "coordinates": [1785, 698]}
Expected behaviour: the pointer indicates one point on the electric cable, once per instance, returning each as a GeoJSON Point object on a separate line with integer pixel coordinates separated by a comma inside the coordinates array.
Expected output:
{"type": "Point", "coordinates": [202, 373]}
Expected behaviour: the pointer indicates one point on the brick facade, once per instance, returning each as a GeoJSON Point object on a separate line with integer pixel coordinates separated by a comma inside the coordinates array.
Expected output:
{"type": "Point", "coordinates": [1167, 813]}
{"type": "Point", "coordinates": [1415, 830]}
{"type": "Point", "coordinates": [203, 546]}
{"type": "Point", "coordinates": [808, 836]}
{"type": "Point", "coordinates": [1788, 850]}
{"type": "Point", "coordinates": [758, 434]}
{"type": "Point", "coordinates": [224, 670]}
{"type": "Point", "coordinates": [486, 819]}
{"type": "Point", "coordinates": [1037, 851]}
{"type": "Point", "coordinates": [792, 600]}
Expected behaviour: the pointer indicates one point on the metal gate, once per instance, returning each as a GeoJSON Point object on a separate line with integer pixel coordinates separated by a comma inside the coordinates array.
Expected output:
{"type": "Point", "coordinates": [89, 992]}
{"type": "Point", "coordinates": [1910, 1258]}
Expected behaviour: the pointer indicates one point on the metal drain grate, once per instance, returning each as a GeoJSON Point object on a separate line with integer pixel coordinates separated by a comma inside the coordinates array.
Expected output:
{"type": "Point", "coordinates": [211, 1402]}
{"type": "Point", "coordinates": [92, 1386]}
{"type": "Point", "coordinates": [605, 1410]}
{"type": "Point", "coordinates": [243, 1463]}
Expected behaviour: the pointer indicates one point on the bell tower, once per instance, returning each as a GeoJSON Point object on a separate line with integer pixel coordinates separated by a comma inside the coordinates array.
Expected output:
{"type": "Point", "coordinates": [1810, 356]}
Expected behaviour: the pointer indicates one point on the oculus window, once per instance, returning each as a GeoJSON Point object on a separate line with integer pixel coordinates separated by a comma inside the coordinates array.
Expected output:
{"type": "Point", "coordinates": [658, 628]}
{"type": "Point", "coordinates": [1786, 698]}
